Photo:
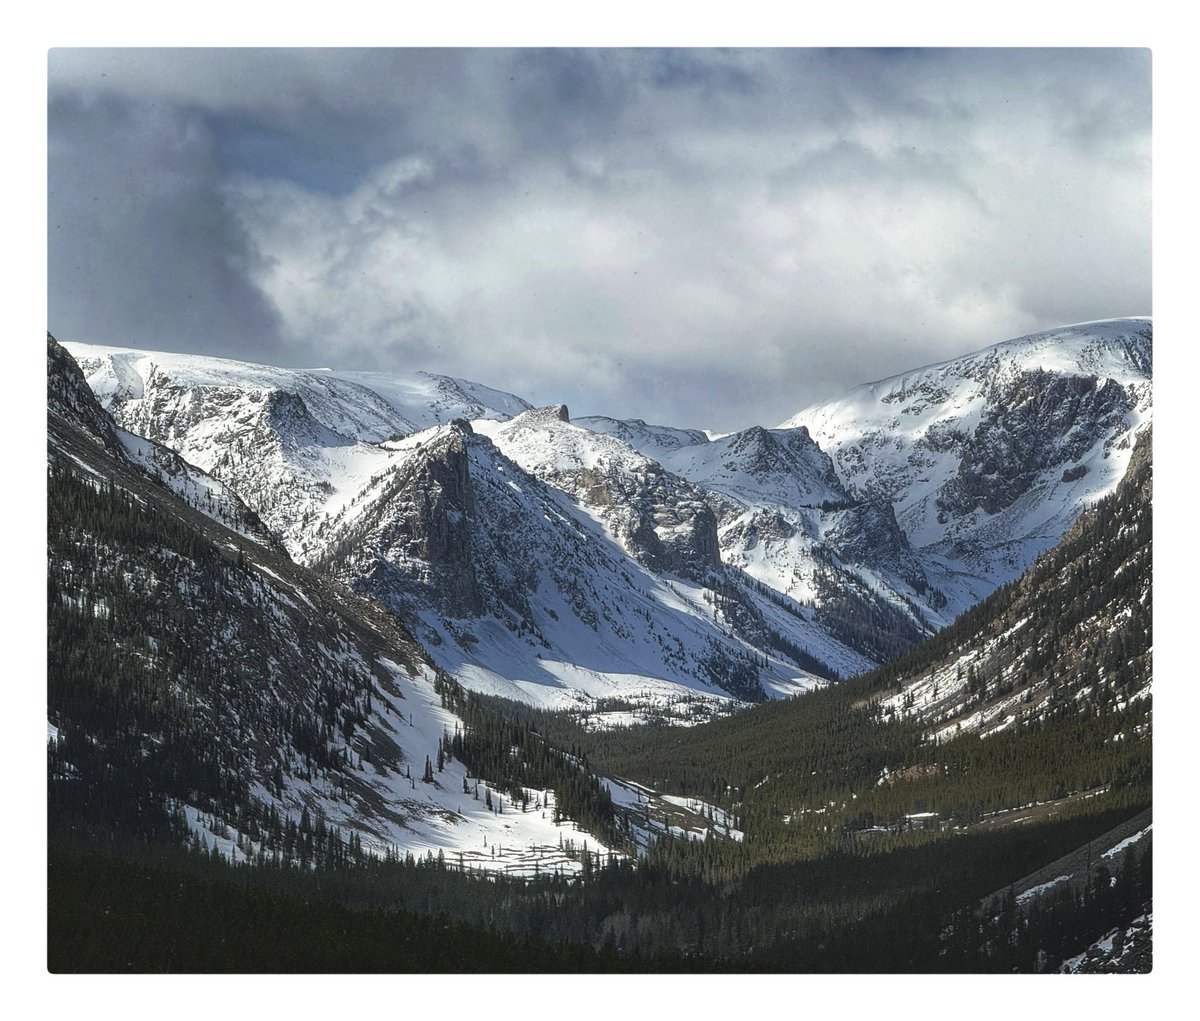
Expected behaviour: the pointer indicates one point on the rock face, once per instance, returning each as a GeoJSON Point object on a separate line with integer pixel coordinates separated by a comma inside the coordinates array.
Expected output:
{"type": "Point", "coordinates": [1072, 635]}
{"type": "Point", "coordinates": [663, 521]}
{"type": "Point", "coordinates": [665, 525]}
{"type": "Point", "coordinates": [866, 533]}
{"type": "Point", "coordinates": [1036, 422]}
{"type": "Point", "coordinates": [72, 405]}
{"type": "Point", "coordinates": [987, 459]}
{"type": "Point", "coordinates": [787, 520]}
{"type": "Point", "coordinates": [520, 590]}
{"type": "Point", "coordinates": [68, 397]}
{"type": "Point", "coordinates": [297, 445]}
{"type": "Point", "coordinates": [412, 532]}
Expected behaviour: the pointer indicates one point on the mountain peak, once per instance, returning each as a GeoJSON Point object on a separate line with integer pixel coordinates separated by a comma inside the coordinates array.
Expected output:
{"type": "Point", "coordinates": [987, 458]}
{"type": "Point", "coordinates": [1106, 347]}
{"type": "Point", "coordinates": [544, 415]}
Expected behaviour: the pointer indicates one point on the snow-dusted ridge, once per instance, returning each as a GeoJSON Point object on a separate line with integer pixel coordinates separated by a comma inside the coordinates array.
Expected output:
{"type": "Point", "coordinates": [520, 591]}
{"type": "Point", "coordinates": [651, 440]}
{"type": "Point", "coordinates": [1078, 347]}
{"type": "Point", "coordinates": [296, 444]}
{"type": "Point", "coordinates": [988, 458]}
{"type": "Point", "coordinates": [564, 561]}
{"type": "Point", "coordinates": [370, 406]}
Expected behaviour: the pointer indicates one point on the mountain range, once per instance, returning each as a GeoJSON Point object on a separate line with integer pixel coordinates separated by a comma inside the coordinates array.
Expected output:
{"type": "Point", "coordinates": [634, 570]}
{"type": "Point", "coordinates": [321, 619]}
{"type": "Point", "coordinates": [202, 683]}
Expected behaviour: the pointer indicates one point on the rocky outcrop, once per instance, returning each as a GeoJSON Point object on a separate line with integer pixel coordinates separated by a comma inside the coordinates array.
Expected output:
{"type": "Point", "coordinates": [663, 521]}
{"type": "Point", "coordinates": [666, 525]}
{"type": "Point", "coordinates": [1038, 421]}
{"type": "Point", "coordinates": [413, 532]}
{"type": "Point", "coordinates": [69, 397]}
{"type": "Point", "coordinates": [987, 459]}
{"type": "Point", "coordinates": [867, 534]}
{"type": "Point", "coordinates": [71, 401]}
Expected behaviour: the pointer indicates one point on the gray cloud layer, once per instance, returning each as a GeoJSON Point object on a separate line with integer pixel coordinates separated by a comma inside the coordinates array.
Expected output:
{"type": "Point", "coordinates": [700, 237]}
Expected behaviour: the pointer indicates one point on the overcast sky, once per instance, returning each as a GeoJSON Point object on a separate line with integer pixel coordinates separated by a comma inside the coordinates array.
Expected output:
{"type": "Point", "coordinates": [699, 237]}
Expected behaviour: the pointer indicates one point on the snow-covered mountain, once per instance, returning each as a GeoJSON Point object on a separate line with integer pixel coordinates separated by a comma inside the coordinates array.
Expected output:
{"type": "Point", "coordinates": [660, 519]}
{"type": "Point", "coordinates": [71, 402]}
{"type": "Point", "coordinates": [518, 590]}
{"type": "Point", "coordinates": [782, 519]}
{"type": "Point", "coordinates": [574, 562]}
{"type": "Point", "coordinates": [988, 458]}
{"type": "Point", "coordinates": [772, 466]}
{"type": "Point", "coordinates": [296, 444]}
{"type": "Point", "coordinates": [788, 521]}
{"type": "Point", "coordinates": [202, 681]}
{"type": "Point", "coordinates": [1084, 606]}
{"type": "Point", "coordinates": [515, 587]}
{"type": "Point", "coordinates": [252, 693]}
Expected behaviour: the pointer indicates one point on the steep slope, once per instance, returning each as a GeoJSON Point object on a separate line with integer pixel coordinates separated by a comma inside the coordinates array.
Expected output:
{"type": "Point", "coordinates": [520, 592]}
{"type": "Point", "coordinates": [69, 399]}
{"type": "Point", "coordinates": [1040, 693]}
{"type": "Point", "coordinates": [662, 521]}
{"type": "Point", "coordinates": [988, 459]}
{"type": "Point", "coordinates": [296, 445]}
{"type": "Point", "coordinates": [1074, 630]}
{"type": "Point", "coordinates": [71, 405]}
{"type": "Point", "coordinates": [751, 516]}
{"type": "Point", "coordinates": [199, 681]}
{"type": "Point", "coordinates": [1103, 886]}
{"type": "Point", "coordinates": [787, 520]}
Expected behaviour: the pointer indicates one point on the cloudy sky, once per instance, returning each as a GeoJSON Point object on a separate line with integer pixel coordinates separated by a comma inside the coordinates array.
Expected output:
{"type": "Point", "coordinates": [699, 237]}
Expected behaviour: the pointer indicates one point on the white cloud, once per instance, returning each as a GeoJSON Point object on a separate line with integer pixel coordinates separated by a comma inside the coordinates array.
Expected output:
{"type": "Point", "coordinates": [699, 237]}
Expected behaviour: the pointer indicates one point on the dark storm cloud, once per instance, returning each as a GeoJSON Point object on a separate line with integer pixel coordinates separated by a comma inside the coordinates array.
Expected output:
{"type": "Point", "coordinates": [712, 237]}
{"type": "Point", "coordinates": [142, 249]}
